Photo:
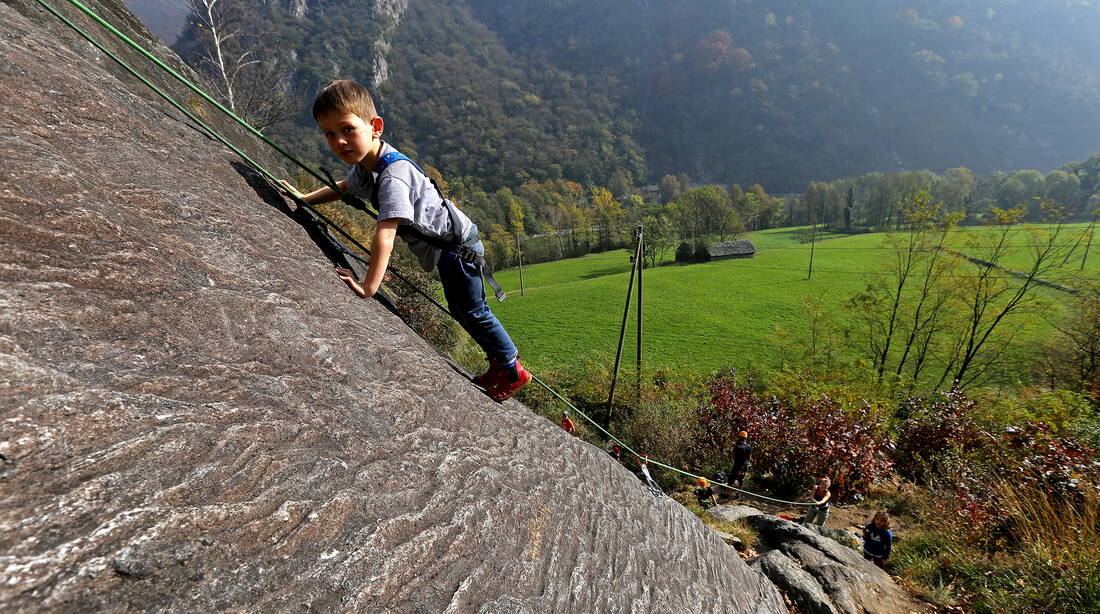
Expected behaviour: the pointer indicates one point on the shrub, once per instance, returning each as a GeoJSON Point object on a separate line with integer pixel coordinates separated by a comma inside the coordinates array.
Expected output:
{"type": "Point", "coordinates": [934, 434]}
{"type": "Point", "coordinates": [1063, 410]}
{"type": "Point", "coordinates": [1060, 463]}
{"type": "Point", "coordinates": [1051, 564]}
{"type": "Point", "coordinates": [797, 441]}
{"type": "Point", "coordinates": [702, 251]}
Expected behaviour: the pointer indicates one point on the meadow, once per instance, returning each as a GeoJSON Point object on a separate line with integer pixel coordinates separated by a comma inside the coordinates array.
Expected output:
{"type": "Point", "coordinates": [703, 317]}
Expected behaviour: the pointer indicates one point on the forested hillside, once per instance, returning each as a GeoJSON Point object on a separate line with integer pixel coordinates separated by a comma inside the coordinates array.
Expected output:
{"type": "Point", "coordinates": [776, 92]}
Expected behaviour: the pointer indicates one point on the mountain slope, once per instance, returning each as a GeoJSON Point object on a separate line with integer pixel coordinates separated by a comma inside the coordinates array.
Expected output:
{"type": "Point", "coordinates": [777, 92]}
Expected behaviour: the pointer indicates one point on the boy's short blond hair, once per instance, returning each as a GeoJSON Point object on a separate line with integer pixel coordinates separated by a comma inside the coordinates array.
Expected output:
{"type": "Point", "coordinates": [346, 96]}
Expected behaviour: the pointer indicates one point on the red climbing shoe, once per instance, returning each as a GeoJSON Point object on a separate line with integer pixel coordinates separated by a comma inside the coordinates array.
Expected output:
{"type": "Point", "coordinates": [509, 381]}
{"type": "Point", "coordinates": [491, 378]}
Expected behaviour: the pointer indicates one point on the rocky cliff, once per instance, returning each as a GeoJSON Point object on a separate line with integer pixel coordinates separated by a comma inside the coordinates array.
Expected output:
{"type": "Point", "coordinates": [197, 416]}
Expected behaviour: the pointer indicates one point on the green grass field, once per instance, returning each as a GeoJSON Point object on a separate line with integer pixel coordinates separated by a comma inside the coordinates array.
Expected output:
{"type": "Point", "coordinates": [697, 317]}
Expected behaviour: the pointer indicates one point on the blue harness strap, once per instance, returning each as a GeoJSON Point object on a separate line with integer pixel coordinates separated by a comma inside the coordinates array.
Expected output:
{"type": "Point", "coordinates": [394, 156]}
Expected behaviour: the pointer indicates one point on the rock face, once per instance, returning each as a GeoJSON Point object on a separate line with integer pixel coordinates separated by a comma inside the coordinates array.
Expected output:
{"type": "Point", "coordinates": [198, 417]}
{"type": "Point", "coordinates": [733, 513]}
{"type": "Point", "coordinates": [822, 576]}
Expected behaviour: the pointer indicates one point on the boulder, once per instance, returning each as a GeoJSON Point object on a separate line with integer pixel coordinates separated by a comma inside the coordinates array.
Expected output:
{"type": "Point", "coordinates": [199, 417]}
{"type": "Point", "coordinates": [732, 513]}
{"type": "Point", "coordinates": [802, 588]}
{"type": "Point", "coordinates": [732, 540]}
{"type": "Point", "coordinates": [844, 536]}
{"type": "Point", "coordinates": [853, 585]}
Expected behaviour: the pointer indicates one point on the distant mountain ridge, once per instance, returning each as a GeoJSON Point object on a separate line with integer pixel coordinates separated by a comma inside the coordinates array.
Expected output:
{"type": "Point", "coordinates": [733, 91]}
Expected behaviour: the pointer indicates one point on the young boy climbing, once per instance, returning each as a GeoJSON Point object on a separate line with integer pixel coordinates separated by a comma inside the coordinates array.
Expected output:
{"type": "Point", "coordinates": [410, 206]}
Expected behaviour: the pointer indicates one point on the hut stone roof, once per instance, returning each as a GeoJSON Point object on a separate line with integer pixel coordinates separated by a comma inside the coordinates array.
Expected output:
{"type": "Point", "coordinates": [737, 247]}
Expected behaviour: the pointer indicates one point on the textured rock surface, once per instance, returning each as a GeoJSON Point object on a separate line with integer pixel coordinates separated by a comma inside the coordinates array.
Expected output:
{"type": "Point", "coordinates": [197, 416]}
{"type": "Point", "coordinates": [852, 584]}
{"type": "Point", "coordinates": [733, 513]}
{"type": "Point", "coordinates": [844, 536]}
{"type": "Point", "coordinates": [732, 540]}
{"type": "Point", "coordinates": [799, 585]}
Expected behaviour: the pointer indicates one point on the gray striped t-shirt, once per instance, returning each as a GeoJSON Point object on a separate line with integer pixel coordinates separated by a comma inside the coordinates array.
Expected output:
{"type": "Point", "coordinates": [406, 194]}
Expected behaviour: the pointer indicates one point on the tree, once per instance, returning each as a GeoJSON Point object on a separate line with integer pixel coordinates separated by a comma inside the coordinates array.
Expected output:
{"type": "Point", "coordinates": [669, 188]}
{"type": "Point", "coordinates": [989, 298]}
{"type": "Point", "coordinates": [822, 203]}
{"type": "Point", "coordinates": [901, 313]}
{"type": "Point", "coordinates": [608, 215]}
{"type": "Point", "coordinates": [883, 200]}
{"type": "Point", "coordinates": [849, 206]}
{"type": "Point", "coordinates": [620, 184]}
{"type": "Point", "coordinates": [501, 244]}
{"type": "Point", "coordinates": [706, 210]}
{"type": "Point", "coordinates": [1075, 349]}
{"type": "Point", "coordinates": [660, 239]}
{"type": "Point", "coordinates": [228, 52]}
{"type": "Point", "coordinates": [767, 214]}
{"type": "Point", "coordinates": [955, 187]}
{"type": "Point", "coordinates": [748, 208]}
{"type": "Point", "coordinates": [1062, 188]}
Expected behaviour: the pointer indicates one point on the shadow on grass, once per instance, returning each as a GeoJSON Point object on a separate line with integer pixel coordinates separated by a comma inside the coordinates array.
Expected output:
{"type": "Point", "coordinates": [605, 271]}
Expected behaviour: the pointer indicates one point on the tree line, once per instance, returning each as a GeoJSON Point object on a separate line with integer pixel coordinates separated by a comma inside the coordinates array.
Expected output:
{"type": "Point", "coordinates": [875, 201]}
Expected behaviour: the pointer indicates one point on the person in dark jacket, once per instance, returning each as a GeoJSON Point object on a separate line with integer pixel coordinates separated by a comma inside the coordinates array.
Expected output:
{"type": "Point", "coordinates": [878, 539]}
{"type": "Point", "coordinates": [741, 453]}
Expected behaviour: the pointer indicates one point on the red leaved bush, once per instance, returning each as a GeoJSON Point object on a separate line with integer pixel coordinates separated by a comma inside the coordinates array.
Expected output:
{"type": "Point", "coordinates": [935, 435]}
{"type": "Point", "coordinates": [934, 432]}
{"type": "Point", "coordinates": [797, 441]}
{"type": "Point", "coordinates": [1033, 453]}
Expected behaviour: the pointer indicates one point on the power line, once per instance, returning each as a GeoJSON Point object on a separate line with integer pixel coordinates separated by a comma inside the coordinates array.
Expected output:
{"type": "Point", "coordinates": [886, 247]}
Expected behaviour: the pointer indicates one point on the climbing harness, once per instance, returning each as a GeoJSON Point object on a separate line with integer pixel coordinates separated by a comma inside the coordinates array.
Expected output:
{"type": "Point", "coordinates": [331, 184]}
{"type": "Point", "coordinates": [462, 250]}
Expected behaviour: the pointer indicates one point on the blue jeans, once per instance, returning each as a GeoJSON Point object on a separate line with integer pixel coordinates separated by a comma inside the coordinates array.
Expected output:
{"type": "Point", "coordinates": [465, 293]}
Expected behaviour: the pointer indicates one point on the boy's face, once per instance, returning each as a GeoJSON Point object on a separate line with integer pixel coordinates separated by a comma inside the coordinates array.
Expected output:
{"type": "Point", "coordinates": [352, 139]}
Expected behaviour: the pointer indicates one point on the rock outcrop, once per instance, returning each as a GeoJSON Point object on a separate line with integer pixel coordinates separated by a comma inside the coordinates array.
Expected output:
{"type": "Point", "coordinates": [198, 417]}
{"type": "Point", "coordinates": [820, 575]}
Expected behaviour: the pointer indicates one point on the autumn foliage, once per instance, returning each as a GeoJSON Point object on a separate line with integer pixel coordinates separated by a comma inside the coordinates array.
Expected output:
{"type": "Point", "coordinates": [799, 439]}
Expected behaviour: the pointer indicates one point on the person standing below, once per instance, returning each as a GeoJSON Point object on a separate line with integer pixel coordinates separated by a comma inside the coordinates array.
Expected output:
{"type": "Point", "coordinates": [567, 424]}
{"type": "Point", "coordinates": [741, 453]}
{"type": "Point", "coordinates": [410, 206]}
{"type": "Point", "coordinates": [820, 510]}
{"type": "Point", "coordinates": [878, 539]}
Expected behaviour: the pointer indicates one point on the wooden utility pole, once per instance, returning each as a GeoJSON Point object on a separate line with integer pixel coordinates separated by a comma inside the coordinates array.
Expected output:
{"type": "Point", "coordinates": [813, 240]}
{"type": "Point", "coordinates": [636, 264]}
{"type": "Point", "coordinates": [519, 252]}
{"type": "Point", "coordinates": [1091, 231]}
{"type": "Point", "coordinates": [641, 267]}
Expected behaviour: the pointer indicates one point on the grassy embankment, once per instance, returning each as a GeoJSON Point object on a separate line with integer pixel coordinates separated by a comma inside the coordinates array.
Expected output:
{"type": "Point", "coordinates": [706, 316]}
